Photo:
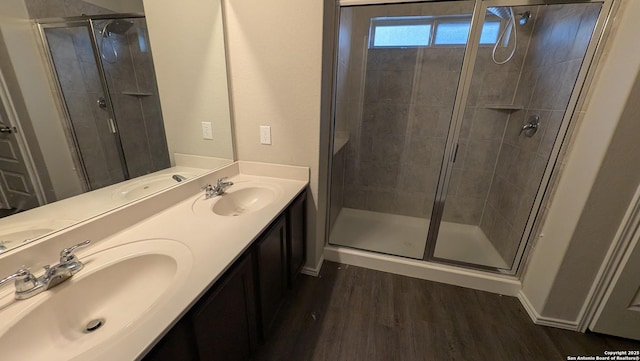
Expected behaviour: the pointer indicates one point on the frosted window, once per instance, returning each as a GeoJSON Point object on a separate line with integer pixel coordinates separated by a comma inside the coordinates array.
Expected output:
{"type": "Point", "coordinates": [452, 33]}
{"type": "Point", "coordinates": [401, 32]}
{"type": "Point", "coordinates": [402, 35]}
{"type": "Point", "coordinates": [456, 33]}
{"type": "Point", "coordinates": [490, 31]}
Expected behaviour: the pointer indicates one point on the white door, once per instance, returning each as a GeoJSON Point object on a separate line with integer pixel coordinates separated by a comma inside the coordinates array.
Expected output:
{"type": "Point", "coordinates": [619, 314]}
{"type": "Point", "coordinates": [16, 188]}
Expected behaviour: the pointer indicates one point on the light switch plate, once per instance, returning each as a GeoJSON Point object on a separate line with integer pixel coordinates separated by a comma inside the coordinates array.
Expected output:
{"type": "Point", "coordinates": [207, 130]}
{"type": "Point", "coordinates": [265, 134]}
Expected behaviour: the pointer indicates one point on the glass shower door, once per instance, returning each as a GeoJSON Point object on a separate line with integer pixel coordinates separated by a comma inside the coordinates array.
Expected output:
{"type": "Point", "coordinates": [125, 54]}
{"type": "Point", "coordinates": [518, 95]}
{"type": "Point", "coordinates": [89, 125]}
{"type": "Point", "coordinates": [398, 70]}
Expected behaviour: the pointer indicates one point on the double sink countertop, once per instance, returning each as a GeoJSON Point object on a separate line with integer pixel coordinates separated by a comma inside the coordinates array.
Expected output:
{"type": "Point", "coordinates": [148, 262]}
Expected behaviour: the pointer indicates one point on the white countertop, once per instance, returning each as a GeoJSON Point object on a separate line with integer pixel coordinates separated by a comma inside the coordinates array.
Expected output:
{"type": "Point", "coordinates": [215, 242]}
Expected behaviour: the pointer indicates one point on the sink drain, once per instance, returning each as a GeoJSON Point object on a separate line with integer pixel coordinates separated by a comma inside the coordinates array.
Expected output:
{"type": "Point", "coordinates": [94, 325]}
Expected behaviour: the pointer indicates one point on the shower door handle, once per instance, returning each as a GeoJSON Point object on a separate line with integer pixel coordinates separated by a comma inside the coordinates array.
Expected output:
{"type": "Point", "coordinates": [112, 125]}
{"type": "Point", "coordinates": [7, 129]}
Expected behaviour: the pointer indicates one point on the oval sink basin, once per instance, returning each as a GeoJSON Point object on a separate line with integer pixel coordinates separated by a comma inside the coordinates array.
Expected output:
{"type": "Point", "coordinates": [114, 290]}
{"type": "Point", "coordinates": [243, 201]}
{"type": "Point", "coordinates": [143, 187]}
{"type": "Point", "coordinates": [241, 198]}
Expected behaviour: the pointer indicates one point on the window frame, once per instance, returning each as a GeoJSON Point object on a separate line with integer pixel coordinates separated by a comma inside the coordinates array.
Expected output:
{"type": "Point", "coordinates": [434, 22]}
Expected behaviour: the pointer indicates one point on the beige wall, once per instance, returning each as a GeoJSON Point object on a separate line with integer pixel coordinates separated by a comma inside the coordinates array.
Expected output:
{"type": "Point", "coordinates": [32, 84]}
{"type": "Point", "coordinates": [275, 55]}
{"type": "Point", "coordinates": [189, 57]}
{"type": "Point", "coordinates": [567, 247]}
{"type": "Point", "coordinates": [608, 201]}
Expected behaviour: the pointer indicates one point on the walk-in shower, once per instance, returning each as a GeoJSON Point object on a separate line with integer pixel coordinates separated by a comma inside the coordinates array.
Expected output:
{"type": "Point", "coordinates": [103, 72]}
{"type": "Point", "coordinates": [448, 120]}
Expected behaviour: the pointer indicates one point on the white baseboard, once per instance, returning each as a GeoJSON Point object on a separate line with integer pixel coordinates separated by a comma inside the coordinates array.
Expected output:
{"type": "Point", "coordinates": [484, 281]}
{"type": "Point", "coordinates": [313, 271]}
{"type": "Point", "coordinates": [546, 321]}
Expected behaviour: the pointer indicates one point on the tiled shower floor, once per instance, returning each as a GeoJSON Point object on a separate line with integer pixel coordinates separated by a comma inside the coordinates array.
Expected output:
{"type": "Point", "coordinates": [406, 236]}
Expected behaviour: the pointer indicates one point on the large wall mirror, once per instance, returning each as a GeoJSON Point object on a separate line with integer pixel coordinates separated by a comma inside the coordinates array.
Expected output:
{"type": "Point", "coordinates": [103, 102]}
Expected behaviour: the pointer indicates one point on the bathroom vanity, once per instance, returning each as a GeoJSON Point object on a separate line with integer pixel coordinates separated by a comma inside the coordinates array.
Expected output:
{"type": "Point", "coordinates": [234, 315]}
{"type": "Point", "coordinates": [171, 276]}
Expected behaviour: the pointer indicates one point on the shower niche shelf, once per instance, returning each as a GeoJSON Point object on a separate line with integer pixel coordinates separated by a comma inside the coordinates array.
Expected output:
{"type": "Point", "coordinates": [138, 94]}
{"type": "Point", "coordinates": [507, 107]}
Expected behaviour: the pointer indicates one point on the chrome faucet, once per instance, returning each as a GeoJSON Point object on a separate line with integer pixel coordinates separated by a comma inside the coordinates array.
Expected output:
{"type": "Point", "coordinates": [27, 285]}
{"type": "Point", "coordinates": [221, 186]}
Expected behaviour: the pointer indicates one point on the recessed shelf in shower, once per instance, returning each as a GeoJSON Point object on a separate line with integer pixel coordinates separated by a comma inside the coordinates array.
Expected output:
{"type": "Point", "coordinates": [508, 107]}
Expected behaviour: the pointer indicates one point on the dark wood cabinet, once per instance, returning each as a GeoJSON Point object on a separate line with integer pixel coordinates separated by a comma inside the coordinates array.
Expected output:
{"type": "Point", "coordinates": [296, 237]}
{"type": "Point", "coordinates": [177, 344]}
{"type": "Point", "coordinates": [271, 258]}
{"type": "Point", "coordinates": [224, 321]}
{"type": "Point", "coordinates": [228, 321]}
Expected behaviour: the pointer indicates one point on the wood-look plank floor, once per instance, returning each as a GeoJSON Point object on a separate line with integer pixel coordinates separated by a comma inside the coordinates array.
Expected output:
{"type": "Point", "coordinates": [352, 313]}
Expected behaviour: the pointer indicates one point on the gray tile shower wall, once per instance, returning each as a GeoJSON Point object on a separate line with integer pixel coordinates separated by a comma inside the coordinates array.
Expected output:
{"type": "Point", "coordinates": [397, 104]}
{"type": "Point", "coordinates": [138, 117]}
{"type": "Point", "coordinates": [559, 41]}
{"type": "Point", "coordinates": [482, 130]}
{"type": "Point", "coordinates": [78, 75]}
{"type": "Point", "coordinates": [39, 9]}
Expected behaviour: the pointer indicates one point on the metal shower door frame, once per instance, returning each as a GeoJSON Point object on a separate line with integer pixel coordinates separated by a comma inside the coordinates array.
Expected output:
{"type": "Point", "coordinates": [585, 75]}
{"type": "Point", "coordinates": [88, 23]}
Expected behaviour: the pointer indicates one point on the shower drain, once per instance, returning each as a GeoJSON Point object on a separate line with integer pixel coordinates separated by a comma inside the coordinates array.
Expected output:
{"type": "Point", "coordinates": [94, 325]}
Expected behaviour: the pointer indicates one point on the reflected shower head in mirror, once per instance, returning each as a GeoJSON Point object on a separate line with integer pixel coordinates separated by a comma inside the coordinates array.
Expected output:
{"type": "Point", "coordinates": [524, 18]}
{"type": "Point", "coordinates": [117, 26]}
{"type": "Point", "coordinates": [114, 26]}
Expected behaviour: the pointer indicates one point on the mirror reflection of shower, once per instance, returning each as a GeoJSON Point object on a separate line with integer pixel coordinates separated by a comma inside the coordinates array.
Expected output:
{"type": "Point", "coordinates": [504, 39]}
{"type": "Point", "coordinates": [108, 93]}
{"type": "Point", "coordinates": [112, 28]}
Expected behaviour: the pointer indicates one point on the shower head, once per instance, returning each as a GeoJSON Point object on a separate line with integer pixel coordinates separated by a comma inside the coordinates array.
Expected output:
{"type": "Point", "coordinates": [524, 17]}
{"type": "Point", "coordinates": [116, 26]}
{"type": "Point", "coordinates": [504, 12]}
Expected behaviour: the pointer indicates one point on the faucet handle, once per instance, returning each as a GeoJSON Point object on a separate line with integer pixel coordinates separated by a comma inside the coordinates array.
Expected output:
{"type": "Point", "coordinates": [66, 255]}
{"type": "Point", "coordinates": [220, 180]}
{"type": "Point", "coordinates": [23, 277]}
{"type": "Point", "coordinates": [22, 272]}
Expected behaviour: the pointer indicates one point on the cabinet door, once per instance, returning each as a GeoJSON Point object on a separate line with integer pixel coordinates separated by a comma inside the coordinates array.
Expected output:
{"type": "Point", "coordinates": [296, 236]}
{"type": "Point", "coordinates": [224, 322]}
{"type": "Point", "coordinates": [272, 272]}
{"type": "Point", "coordinates": [177, 344]}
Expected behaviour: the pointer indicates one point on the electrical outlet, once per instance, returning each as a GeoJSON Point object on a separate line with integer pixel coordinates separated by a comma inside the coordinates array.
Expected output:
{"type": "Point", "coordinates": [265, 134]}
{"type": "Point", "coordinates": [207, 130]}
